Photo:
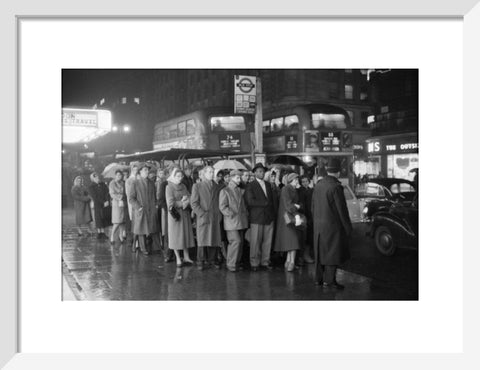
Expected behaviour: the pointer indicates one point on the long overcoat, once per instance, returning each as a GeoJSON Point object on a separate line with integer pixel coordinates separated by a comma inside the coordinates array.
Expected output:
{"type": "Point", "coordinates": [81, 204]}
{"type": "Point", "coordinates": [287, 237]}
{"type": "Point", "coordinates": [233, 207]}
{"type": "Point", "coordinates": [205, 205]}
{"type": "Point", "coordinates": [99, 194]}
{"type": "Point", "coordinates": [261, 209]}
{"type": "Point", "coordinates": [180, 232]}
{"type": "Point", "coordinates": [331, 222]}
{"type": "Point", "coordinates": [142, 199]}
{"type": "Point", "coordinates": [119, 201]}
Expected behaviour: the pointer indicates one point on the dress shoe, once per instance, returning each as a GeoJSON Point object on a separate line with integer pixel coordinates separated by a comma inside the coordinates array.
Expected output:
{"type": "Point", "coordinates": [254, 268]}
{"type": "Point", "coordinates": [188, 263]}
{"type": "Point", "coordinates": [267, 267]}
{"type": "Point", "coordinates": [232, 269]}
{"type": "Point", "coordinates": [333, 286]}
{"type": "Point", "coordinates": [179, 265]}
{"type": "Point", "coordinates": [308, 259]}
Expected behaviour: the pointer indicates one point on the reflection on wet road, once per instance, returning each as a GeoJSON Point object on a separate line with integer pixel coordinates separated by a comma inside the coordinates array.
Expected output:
{"type": "Point", "coordinates": [96, 270]}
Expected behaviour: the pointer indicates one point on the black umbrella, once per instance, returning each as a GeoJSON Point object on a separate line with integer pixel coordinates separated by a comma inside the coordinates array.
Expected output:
{"type": "Point", "coordinates": [290, 160]}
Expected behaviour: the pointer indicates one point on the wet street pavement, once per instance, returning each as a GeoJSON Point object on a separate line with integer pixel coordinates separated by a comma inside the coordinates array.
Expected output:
{"type": "Point", "coordinates": [95, 270]}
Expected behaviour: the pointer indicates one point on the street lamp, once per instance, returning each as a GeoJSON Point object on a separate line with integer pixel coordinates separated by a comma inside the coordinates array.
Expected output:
{"type": "Point", "coordinates": [126, 128]}
{"type": "Point", "coordinates": [114, 128]}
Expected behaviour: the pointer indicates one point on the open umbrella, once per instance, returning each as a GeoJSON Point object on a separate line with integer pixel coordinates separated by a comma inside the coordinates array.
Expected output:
{"type": "Point", "coordinates": [289, 160]}
{"type": "Point", "coordinates": [229, 164]}
{"type": "Point", "coordinates": [109, 171]}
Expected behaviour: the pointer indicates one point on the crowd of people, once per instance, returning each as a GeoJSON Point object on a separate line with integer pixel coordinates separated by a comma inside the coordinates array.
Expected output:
{"type": "Point", "coordinates": [240, 219]}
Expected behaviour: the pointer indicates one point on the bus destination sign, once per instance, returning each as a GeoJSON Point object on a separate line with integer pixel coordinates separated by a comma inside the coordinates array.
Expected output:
{"type": "Point", "coordinates": [330, 141]}
{"type": "Point", "coordinates": [245, 94]}
{"type": "Point", "coordinates": [229, 141]}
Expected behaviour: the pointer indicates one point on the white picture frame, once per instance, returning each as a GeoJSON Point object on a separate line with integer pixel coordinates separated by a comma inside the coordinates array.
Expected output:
{"type": "Point", "coordinates": [14, 11]}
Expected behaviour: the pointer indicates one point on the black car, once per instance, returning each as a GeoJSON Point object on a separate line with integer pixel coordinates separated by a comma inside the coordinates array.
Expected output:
{"type": "Point", "coordinates": [380, 194]}
{"type": "Point", "coordinates": [396, 227]}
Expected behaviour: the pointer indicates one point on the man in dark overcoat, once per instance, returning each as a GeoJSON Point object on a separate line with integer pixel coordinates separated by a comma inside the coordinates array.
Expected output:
{"type": "Point", "coordinates": [144, 207]}
{"type": "Point", "coordinates": [262, 208]}
{"type": "Point", "coordinates": [204, 202]}
{"type": "Point", "coordinates": [331, 227]}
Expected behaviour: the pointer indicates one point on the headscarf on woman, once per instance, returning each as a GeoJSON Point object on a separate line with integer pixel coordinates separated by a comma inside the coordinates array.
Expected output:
{"type": "Point", "coordinates": [172, 177]}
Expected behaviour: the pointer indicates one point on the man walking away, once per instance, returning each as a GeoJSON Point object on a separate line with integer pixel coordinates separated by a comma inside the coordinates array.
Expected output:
{"type": "Point", "coordinates": [332, 227]}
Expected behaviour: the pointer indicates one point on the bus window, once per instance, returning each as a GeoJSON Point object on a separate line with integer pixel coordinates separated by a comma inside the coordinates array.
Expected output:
{"type": "Point", "coordinates": [291, 122]}
{"type": "Point", "coordinates": [232, 123]}
{"type": "Point", "coordinates": [172, 131]}
{"type": "Point", "coordinates": [266, 127]}
{"type": "Point", "coordinates": [335, 121]}
{"type": "Point", "coordinates": [182, 128]}
{"type": "Point", "coordinates": [190, 127]}
{"type": "Point", "coordinates": [277, 124]}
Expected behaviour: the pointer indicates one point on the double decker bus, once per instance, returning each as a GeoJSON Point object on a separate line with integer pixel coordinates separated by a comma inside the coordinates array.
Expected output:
{"type": "Point", "coordinates": [313, 131]}
{"type": "Point", "coordinates": [212, 128]}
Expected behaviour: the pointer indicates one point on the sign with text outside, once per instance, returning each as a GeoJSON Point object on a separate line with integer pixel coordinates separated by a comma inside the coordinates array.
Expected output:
{"type": "Point", "coordinates": [245, 94]}
{"type": "Point", "coordinates": [229, 141]}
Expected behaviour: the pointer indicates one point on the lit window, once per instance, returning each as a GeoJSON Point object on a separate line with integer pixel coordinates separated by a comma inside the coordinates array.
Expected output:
{"type": "Point", "coordinates": [363, 96]}
{"type": "Point", "coordinates": [291, 122]}
{"type": "Point", "coordinates": [384, 109]}
{"type": "Point", "coordinates": [266, 126]}
{"type": "Point", "coordinates": [190, 127]}
{"type": "Point", "coordinates": [322, 120]}
{"type": "Point", "coordinates": [277, 124]}
{"type": "Point", "coordinates": [124, 100]}
{"type": "Point", "coordinates": [348, 92]}
{"type": "Point", "coordinates": [102, 101]}
{"type": "Point", "coordinates": [230, 123]}
{"type": "Point", "coordinates": [136, 100]}
{"type": "Point", "coordinates": [371, 119]}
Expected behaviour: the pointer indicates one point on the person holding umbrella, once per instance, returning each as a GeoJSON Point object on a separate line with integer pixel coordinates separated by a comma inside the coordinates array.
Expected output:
{"type": "Point", "coordinates": [117, 193]}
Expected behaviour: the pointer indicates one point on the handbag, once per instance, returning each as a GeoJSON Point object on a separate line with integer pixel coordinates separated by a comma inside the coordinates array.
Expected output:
{"type": "Point", "coordinates": [174, 213]}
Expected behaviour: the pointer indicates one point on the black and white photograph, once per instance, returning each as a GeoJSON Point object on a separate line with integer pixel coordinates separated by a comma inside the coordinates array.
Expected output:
{"type": "Point", "coordinates": [240, 184]}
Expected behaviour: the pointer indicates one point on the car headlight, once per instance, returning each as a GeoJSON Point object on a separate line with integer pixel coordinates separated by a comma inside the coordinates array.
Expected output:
{"type": "Point", "coordinates": [365, 211]}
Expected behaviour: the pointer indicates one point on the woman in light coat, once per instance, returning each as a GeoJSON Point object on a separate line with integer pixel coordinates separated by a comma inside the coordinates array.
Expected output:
{"type": "Point", "coordinates": [81, 204]}
{"type": "Point", "coordinates": [180, 232]}
{"type": "Point", "coordinates": [117, 193]}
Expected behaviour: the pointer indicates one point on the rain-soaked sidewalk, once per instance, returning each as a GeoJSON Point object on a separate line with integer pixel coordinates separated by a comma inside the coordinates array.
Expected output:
{"type": "Point", "coordinates": [95, 270]}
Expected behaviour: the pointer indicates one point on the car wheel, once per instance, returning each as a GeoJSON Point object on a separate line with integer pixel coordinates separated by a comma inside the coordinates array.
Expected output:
{"type": "Point", "coordinates": [384, 241]}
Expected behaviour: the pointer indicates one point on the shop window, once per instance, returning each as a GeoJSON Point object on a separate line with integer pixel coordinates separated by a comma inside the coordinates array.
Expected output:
{"type": "Point", "coordinates": [124, 100]}
{"type": "Point", "coordinates": [348, 92]}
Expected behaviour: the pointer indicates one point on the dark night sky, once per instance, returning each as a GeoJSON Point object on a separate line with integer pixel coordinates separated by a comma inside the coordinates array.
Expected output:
{"type": "Point", "coordinates": [84, 87]}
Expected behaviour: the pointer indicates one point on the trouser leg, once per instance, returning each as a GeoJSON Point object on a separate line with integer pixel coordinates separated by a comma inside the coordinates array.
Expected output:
{"type": "Point", "coordinates": [240, 246]}
{"type": "Point", "coordinates": [142, 243]}
{"type": "Point", "coordinates": [329, 274]}
{"type": "Point", "coordinates": [156, 245]}
{"type": "Point", "coordinates": [201, 254]}
{"type": "Point", "coordinates": [212, 254]}
{"type": "Point", "coordinates": [318, 266]}
{"type": "Point", "coordinates": [266, 244]}
{"type": "Point", "coordinates": [256, 234]}
{"type": "Point", "coordinates": [234, 244]}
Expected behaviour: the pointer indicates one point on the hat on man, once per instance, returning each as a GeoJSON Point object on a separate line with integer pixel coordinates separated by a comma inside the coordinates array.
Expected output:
{"type": "Point", "coordinates": [259, 165]}
{"type": "Point", "coordinates": [235, 173]}
{"type": "Point", "coordinates": [333, 165]}
{"type": "Point", "coordinates": [141, 165]}
{"type": "Point", "coordinates": [291, 176]}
